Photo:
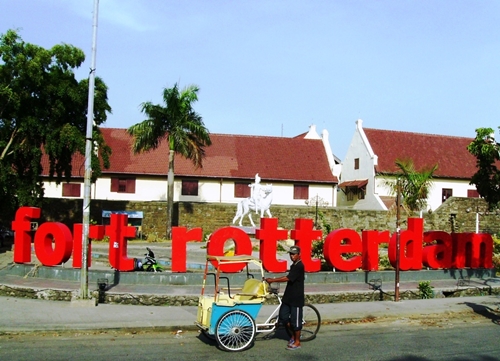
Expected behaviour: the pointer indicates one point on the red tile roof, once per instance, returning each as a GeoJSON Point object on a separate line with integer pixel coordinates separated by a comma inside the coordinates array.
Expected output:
{"type": "Point", "coordinates": [229, 156]}
{"type": "Point", "coordinates": [356, 183]}
{"type": "Point", "coordinates": [448, 152]}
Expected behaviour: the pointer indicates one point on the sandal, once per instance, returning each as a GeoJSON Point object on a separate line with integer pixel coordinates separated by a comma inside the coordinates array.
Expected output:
{"type": "Point", "coordinates": [292, 347]}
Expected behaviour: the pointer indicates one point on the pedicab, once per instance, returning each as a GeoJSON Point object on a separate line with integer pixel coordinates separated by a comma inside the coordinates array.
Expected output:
{"type": "Point", "coordinates": [229, 314]}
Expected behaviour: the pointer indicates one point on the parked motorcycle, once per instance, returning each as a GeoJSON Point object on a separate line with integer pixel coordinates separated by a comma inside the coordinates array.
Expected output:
{"type": "Point", "coordinates": [149, 264]}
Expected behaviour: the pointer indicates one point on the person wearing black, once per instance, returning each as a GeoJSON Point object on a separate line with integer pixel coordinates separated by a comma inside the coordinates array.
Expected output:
{"type": "Point", "coordinates": [293, 300]}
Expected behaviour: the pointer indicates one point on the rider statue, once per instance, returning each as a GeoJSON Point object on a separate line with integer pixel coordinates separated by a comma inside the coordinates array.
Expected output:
{"type": "Point", "coordinates": [256, 192]}
{"type": "Point", "coordinates": [261, 197]}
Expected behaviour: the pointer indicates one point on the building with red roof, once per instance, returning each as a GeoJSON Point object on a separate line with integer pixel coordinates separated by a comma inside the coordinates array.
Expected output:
{"type": "Point", "coordinates": [299, 168]}
{"type": "Point", "coordinates": [370, 162]}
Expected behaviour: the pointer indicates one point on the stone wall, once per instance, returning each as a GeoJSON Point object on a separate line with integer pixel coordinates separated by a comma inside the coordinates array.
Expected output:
{"type": "Point", "coordinates": [458, 214]}
{"type": "Point", "coordinates": [191, 300]}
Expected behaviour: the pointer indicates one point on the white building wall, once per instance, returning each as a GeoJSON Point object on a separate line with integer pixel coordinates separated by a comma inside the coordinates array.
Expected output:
{"type": "Point", "coordinates": [210, 191]}
{"type": "Point", "coordinates": [145, 190]}
{"type": "Point", "coordinates": [217, 192]}
{"type": "Point", "coordinates": [458, 187]}
{"type": "Point", "coordinates": [359, 148]}
{"type": "Point", "coordinates": [328, 195]}
{"type": "Point", "coordinates": [52, 190]}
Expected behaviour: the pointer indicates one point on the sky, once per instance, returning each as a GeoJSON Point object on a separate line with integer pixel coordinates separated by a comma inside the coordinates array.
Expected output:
{"type": "Point", "coordinates": [275, 67]}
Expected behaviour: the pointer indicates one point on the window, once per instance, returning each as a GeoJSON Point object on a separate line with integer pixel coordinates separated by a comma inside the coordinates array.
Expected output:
{"type": "Point", "coordinates": [472, 193]}
{"type": "Point", "coordinates": [361, 193]}
{"type": "Point", "coordinates": [356, 163]}
{"type": "Point", "coordinates": [447, 193]}
{"type": "Point", "coordinates": [350, 192]}
{"type": "Point", "coordinates": [189, 188]}
{"type": "Point", "coordinates": [241, 190]}
{"type": "Point", "coordinates": [300, 191]}
{"type": "Point", "coordinates": [71, 189]}
{"type": "Point", "coordinates": [123, 185]}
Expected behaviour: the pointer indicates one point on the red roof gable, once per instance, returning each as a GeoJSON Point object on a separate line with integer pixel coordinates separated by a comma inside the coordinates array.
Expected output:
{"type": "Point", "coordinates": [229, 156]}
{"type": "Point", "coordinates": [448, 152]}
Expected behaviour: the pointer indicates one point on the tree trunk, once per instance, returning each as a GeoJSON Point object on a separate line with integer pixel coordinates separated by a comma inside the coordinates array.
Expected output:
{"type": "Point", "coordinates": [170, 193]}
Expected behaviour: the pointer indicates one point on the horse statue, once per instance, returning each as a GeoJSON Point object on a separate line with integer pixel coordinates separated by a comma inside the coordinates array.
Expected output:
{"type": "Point", "coordinates": [248, 204]}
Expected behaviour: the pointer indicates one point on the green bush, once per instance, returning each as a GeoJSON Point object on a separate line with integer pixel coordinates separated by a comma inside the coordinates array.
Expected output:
{"type": "Point", "coordinates": [317, 252]}
{"type": "Point", "coordinates": [317, 246]}
{"type": "Point", "coordinates": [425, 290]}
{"type": "Point", "coordinates": [496, 244]}
{"type": "Point", "coordinates": [384, 263]}
{"type": "Point", "coordinates": [496, 253]}
{"type": "Point", "coordinates": [496, 262]}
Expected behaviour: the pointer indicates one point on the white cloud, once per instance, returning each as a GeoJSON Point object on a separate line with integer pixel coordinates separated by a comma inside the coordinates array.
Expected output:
{"type": "Point", "coordinates": [133, 15]}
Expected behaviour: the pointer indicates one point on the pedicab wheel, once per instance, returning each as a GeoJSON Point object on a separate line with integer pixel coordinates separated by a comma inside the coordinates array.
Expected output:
{"type": "Point", "coordinates": [235, 331]}
{"type": "Point", "coordinates": [311, 322]}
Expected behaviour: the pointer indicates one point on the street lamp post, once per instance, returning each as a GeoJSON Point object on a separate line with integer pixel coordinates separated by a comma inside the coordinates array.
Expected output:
{"type": "Point", "coordinates": [477, 221]}
{"type": "Point", "coordinates": [317, 201]}
{"type": "Point", "coordinates": [478, 214]}
{"type": "Point", "coordinates": [396, 278]}
{"type": "Point", "coordinates": [84, 281]}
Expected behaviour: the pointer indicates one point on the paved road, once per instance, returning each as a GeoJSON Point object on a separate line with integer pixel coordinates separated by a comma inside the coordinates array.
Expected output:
{"type": "Point", "coordinates": [444, 339]}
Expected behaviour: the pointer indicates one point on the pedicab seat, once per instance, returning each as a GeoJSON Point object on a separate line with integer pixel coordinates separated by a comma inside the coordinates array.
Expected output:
{"type": "Point", "coordinates": [253, 290]}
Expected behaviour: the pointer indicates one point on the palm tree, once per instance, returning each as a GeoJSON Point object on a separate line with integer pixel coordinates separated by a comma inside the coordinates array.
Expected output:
{"type": "Point", "coordinates": [180, 126]}
{"type": "Point", "coordinates": [413, 185]}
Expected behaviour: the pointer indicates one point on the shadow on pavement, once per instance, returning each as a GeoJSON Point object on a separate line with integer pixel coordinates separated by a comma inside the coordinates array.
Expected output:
{"type": "Point", "coordinates": [485, 311]}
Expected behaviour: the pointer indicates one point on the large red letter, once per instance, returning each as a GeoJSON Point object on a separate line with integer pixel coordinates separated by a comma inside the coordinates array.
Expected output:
{"type": "Point", "coordinates": [339, 242]}
{"type": "Point", "coordinates": [410, 246]}
{"type": "Point", "coordinates": [371, 240]}
{"type": "Point", "coordinates": [242, 247]}
{"type": "Point", "coordinates": [95, 232]}
{"type": "Point", "coordinates": [118, 232]}
{"type": "Point", "coordinates": [269, 236]}
{"type": "Point", "coordinates": [474, 250]}
{"type": "Point", "coordinates": [63, 243]}
{"type": "Point", "coordinates": [180, 237]}
{"type": "Point", "coordinates": [304, 235]}
{"type": "Point", "coordinates": [439, 250]}
{"type": "Point", "coordinates": [22, 237]}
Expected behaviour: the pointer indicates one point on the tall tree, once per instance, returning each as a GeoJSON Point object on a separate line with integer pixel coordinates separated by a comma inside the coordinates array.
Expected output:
{"type": "Point", "coordinates": [180, 126]}
{"type": "Point", "coordinates": [487, 178]}
{"type": "Point", "coordinates": [414, 185]}
{"type": "Point", "coordinates": [42, 110]}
